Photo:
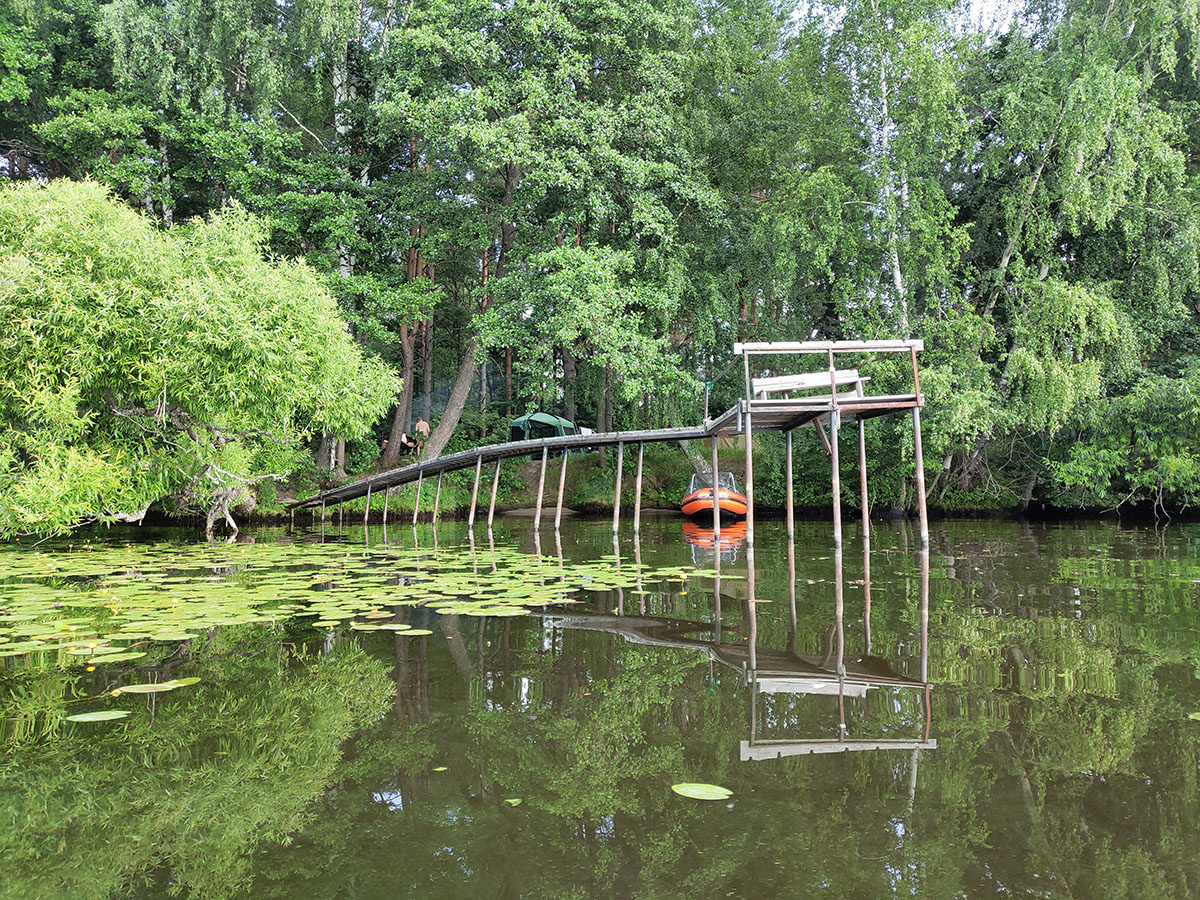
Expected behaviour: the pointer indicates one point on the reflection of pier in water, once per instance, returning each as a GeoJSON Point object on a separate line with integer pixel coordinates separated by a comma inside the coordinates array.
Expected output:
{"type": "Point", "coordinates": [777, 673]}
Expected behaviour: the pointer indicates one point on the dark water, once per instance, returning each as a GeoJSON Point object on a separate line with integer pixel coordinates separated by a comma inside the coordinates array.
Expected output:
{"type": "Point", "coordinates": [1008, 716]}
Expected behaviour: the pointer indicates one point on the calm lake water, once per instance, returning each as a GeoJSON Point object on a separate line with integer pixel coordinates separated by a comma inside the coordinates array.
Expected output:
{"type": "Point", "coordinates": [330, 717]}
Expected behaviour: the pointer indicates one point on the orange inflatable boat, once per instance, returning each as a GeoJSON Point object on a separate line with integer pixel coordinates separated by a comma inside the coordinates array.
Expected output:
{"type": "Point", "coordinates": [699, 501]}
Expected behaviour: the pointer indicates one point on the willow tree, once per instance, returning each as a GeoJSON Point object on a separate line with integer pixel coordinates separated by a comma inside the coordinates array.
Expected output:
{"type": "Point", "coordinates": [142, 366]}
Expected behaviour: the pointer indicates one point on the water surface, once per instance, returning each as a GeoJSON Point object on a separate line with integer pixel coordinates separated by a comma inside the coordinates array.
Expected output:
{"type": "Point", "coordinates": [1007, 716]}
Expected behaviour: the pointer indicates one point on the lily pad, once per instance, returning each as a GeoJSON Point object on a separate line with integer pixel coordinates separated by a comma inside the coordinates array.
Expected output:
{"type": "Point", "coordinates": [697, 791]}
{"type": "Point", "coordinates": [100, 715]}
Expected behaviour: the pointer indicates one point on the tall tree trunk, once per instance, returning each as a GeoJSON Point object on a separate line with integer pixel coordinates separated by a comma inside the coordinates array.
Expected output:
{"type": "Point", "coordinates": [168, 206]}
{"type": "Point", "coordinates": [427, 369]}
{"type": "Point", "coordinates": [508, 382]}
{"type": "Point", "coordinates": [454, 406]}
{"type": "Point", "coordinates": [568, 362]}
{"type": "Point", "coordinates": [483, 398]}
{"type": "Point", "coordinates": [403, 415]}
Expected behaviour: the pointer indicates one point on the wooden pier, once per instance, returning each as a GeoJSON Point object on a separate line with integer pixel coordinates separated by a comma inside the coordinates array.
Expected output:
{"type": "Point", "coordinates": [824, 401]}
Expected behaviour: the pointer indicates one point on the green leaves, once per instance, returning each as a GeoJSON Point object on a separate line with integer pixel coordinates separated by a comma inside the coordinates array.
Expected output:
{"type": "Point", "coordinates": [697, 791]}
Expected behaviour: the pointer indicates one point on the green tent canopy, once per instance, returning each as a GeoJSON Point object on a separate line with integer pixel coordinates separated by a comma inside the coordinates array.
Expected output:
{"type": "Point", "coordinates": [532, 426]}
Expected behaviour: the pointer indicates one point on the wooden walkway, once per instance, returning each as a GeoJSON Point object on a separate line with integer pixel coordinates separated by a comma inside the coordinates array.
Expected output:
{"type": "Point", "coordinates": [758, 411]}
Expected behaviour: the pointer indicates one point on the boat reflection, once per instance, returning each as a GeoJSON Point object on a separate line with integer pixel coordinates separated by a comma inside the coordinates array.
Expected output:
{"type": "Point", "coordinates": [704, 542]}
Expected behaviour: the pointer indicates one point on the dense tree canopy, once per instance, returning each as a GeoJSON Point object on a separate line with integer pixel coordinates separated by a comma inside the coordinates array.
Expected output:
{"type": "Point", "coordinates": [140, 366]}
{"type": "Point", "coordinates": [581, 206]}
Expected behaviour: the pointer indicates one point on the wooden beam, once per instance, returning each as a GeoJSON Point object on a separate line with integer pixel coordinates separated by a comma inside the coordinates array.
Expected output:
{"type": "Point", "coordinates": [562, 483]}
{"type": "Point", "coordinates": [417, 505]}
{"type": "Point", "coordinates": [537, 515]}
{"type": "Point", "coordinates": [885, 346]}
{"type": "Point", "coordinates": [492, 504]}
{"type": "Point", "coordinates": [437, 498]}
{"type": "Point", "coordinates": [387, 495]}
{"type": "Point", "coordinates": [716, 503]}
{"type": "Point", "coordinates": [617, 489]}
{"type": "Point", "coordinates": [637, 502]}
{"type": "Point", "coordinates": [919, 460]}
{"type": "Point", "coordinates": [835, 477]}
{"type": "Point", "coordinates": [791, 500]}
{"type": "Point", "coordinates": [475, 492]}
{"type": "Point", "coordinates": [367, 511]}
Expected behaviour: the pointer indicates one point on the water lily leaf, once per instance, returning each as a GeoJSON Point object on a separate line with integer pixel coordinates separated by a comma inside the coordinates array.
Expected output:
{"type": "Point", "coordinates": [183, 682]}
{"type": "Point", "coordinates": [157, 688]}
{"type": "Point", "coordinates": [1195, 715]}
{"type": "Point", "coordinates": [513, 801]}
{"type": "Point", "coordinates": [440, 768]}
{"type": "Point", "coordinates": [100, 715]}
{"type": "Point", "coordinates": [697, 791]}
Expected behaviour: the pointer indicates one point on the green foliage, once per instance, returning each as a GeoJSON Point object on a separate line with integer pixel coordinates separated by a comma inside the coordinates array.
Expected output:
{"type": "Point", "coordinates": [143, 366]}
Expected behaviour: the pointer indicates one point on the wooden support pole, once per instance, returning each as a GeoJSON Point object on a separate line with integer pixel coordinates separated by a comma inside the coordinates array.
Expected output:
{"type": "Point", "coordinates": [474, 492]}
{"type": "Point", "coordinates": [862, 483]}
{"type": "Point", "coordinates": [340, 514]}
{"type": "Point", "coordinates": [716, 502]}
{"type": "Point", "coordinates": [919, 460]}
{"type": "Point", "coordinates": [292, 522]}
{"type": "Point", "coordinates": [637, 500]}
{"type": "Point", "coordinates": [387, 495]}
{"type": "Point", "coordinates": [835, 476]}
{"type": "Point", "coordinates": [322, 511]}
{"type": "Point", "coordinates": [417, 505]}
{"type": "Point", "coordinates": [437, 498]}
{"type": "Point", "coordinates": [749, 435]}
{"type": "Point", "coordinates": [537, 514]}
{"type": "Point", "coordinates": [617, 490]}
{"type": "Point", "coordinates": [562, 483]}
{"type": "Point", "coordinates": [749, 477]}
{"type": "Point", "coordinates": [492, 504]}
{"type": "Point", "coordinates": [367, 511]}
{"type": "Point", "coordinates": [791, 501]}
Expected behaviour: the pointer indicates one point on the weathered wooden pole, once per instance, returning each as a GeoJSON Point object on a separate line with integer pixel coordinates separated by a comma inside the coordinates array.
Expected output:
{"type": "Point", "coordinates": [617, 490]}
{"type": "Point", "coordinates": [791, 502]}
{"type": "Point", "coordinates": [537, 515]}
{"type": "Point", "coordinates": [562, 483]}
{"type": "Point", "coordinates": [387, 495]}
{"type": "Point", "coordinates": [637, 501]}
{"type": "Point", "coordinates": [367, 511]}
{"type": "Point", "coordinates": [474, 492]}
{"type": "Point", "coordinates": [322, 510]}
{"type": "Point", "coordinates": [749, 434]}
{"type": "Point", "coordinates": [492, 504]}
{"type": "Point", "coordinates": [716, 498]}
{"type": "Point", "coordinates": [417, 505]}
{"type": "Point", "coordinates": [292, 522]}
{"type": "Point", "coordinates": [862, 483]}
{"type": "Point", "coordinates": [835, 421]}
{"type": "Point", "coordinates": [835, 476]}
{"type": "Point", "coordinates": [919, 459]}
{"type": "Point", "coordinates": [340, 514]}
{"type": "Point", "coordinates": [437, 498]}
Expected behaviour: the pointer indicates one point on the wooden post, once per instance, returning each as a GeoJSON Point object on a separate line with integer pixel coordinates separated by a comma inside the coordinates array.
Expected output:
{"type": "Point", "coordinates": [749, 434]}
{"type": "Point", "coordinates": [835, 476]}
{"type": "Point", "coordinates": [474, 492]}
{"type": "Point", "coordinates": [340, 514]}
{"type": "Point", "coordinates": [492, 504]}
{"type": "Point", "coordinates": [791, 502]}
{"type": "Point", "coordinates": [637, 502]}
{"type": "Point", "coordinates": [716, 502]}
{"type": "Point", "coordinates": [322, 511]}
{"type": "Point", "coordinates": [417, 505]}
{"type": "Point", "coordinates": [437, 498]}
{"type": "Point", "coordinates": [919, 459]}
{"type": "Point", "coordinates": [537, 515]}
{"type": "Point", "coordinates": [862, 483]}
{"type": "Point", "coordinates": [367, 511]}
{"type": "Point", "coordinates": [387, 495]}
{"type": "Point", "coordinates": [292, 522]}
{"type": "Point", "coordinates": [617, 491]}
{"type": "Point", "coordinates": [562, 483]}
{"type": "Point", "coordinates": [749, 476]}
